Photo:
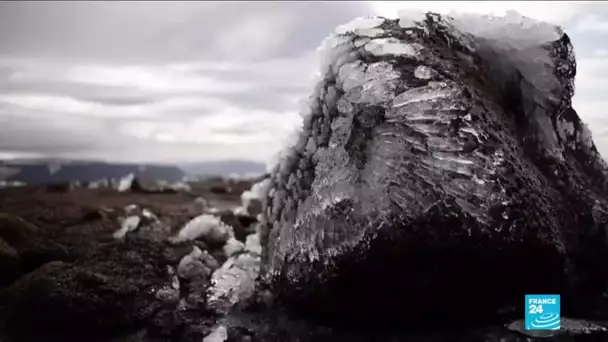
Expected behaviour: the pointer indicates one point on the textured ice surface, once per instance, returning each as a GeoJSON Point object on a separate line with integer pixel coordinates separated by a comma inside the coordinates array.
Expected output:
{"type": "Point", "coordinates": [392, 46]}
{"type": "Point", "coordinates": [436, 119]}
{"type": "Point", "coordinates": [423, 72]}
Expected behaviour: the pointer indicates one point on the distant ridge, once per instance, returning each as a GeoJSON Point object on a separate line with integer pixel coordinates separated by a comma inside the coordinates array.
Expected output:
{"type": "Point", "coordinates": [223, 167]}
{"type": "Point", "coordinates": [51, 170]}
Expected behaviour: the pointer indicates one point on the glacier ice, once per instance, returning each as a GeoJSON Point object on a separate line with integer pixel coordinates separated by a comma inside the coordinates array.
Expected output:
{"type": "Point", "coordinates": [440, 131]}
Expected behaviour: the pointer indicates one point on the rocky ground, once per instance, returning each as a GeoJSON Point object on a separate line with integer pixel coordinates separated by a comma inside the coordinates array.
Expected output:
{"type": "Point", "coordinates": [66, 276]}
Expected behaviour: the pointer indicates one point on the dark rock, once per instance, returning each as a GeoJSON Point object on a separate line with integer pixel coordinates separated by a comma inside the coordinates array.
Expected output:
{"type": "Point", "coordinates": [229, 218]}
{"type": "Point", "coordinates": [254, 206]}
{"type": "Point", "coordinates": [192, 266]}
{"type": "Point", "coordinates": [60, 187]}
{"type": "Point", "coordinates": [440, 196]}
{"type": "Point", "coordinates": [242, 225]}
{"type": "Point", "coordinates": [220, 189]}
{"type": "Point", "coordinates": [570, 329]}
{"type": "Point", "coordinates": [10, 264]}
{"type": "Point", "coordinates": [113, 290]}
{"type": "Point", "coordinates": [16, 231]}
{"type": "Point", "coordinates": [188, 325]}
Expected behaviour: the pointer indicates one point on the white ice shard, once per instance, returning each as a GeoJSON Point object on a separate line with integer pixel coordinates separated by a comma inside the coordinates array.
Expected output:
{"type": "Point", "coordinates": [252, 244]}
{"type": "Point", "coordinates": [149, 215]}
{"type": "Point", "coordinates": [129, 224]}
{"type": "Point", "coordinates": [234, 281]}
{"type": "Point", "coordinates": [200, 205]}
{"type": "Point", "coordinates": [232, 247]}
{"type": "Point", "coordinates": [252, 198]}
{"type": "Point", "coordinates": [219, 334]}
{"type": "Point", "coordinates": [210, 227]}
{"type": "Point", "coordinates": [125, 183]}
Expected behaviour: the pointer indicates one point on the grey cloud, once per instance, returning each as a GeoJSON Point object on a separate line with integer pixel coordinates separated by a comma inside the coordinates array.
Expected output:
{"type": "Point", "coordinates": [156, 31]}
{"type": "Point", "coordinates": [103, 94]}
{"type": "Point", "coordinates": [268, 45]}
{"type": "Point", "coordinates": [46, 135]}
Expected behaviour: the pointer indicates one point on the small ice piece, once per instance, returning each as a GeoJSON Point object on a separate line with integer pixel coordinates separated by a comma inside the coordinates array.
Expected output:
{"type": "Point", "coordinates": [391, 46]}
{"type": "Point", "coordinates": [234, 281]}
{"type": "Point", "coordinates": [125, 183]}
{"type": "Point", "coordinates": [180, 186]}
{"type": "Point", "coordinates": [146, 213]}
{"type": "Point", "coordinates": [423, 72]}
{"type": "Point", "coordinates": [232, 247]}
{"type": "Point", "coordinates": [240, 211]}
{"type": "Point", "coordinates": [252, 244]}
{"type": "Point", "coordinates": [252, 199]}
{"type": "Point", "coordinates": [128, 225]}
{"type": "Point", "coordinates": [131, 209]}
{"type": "Point", "coordinates": [359, 24]}
{"type": "Point", "coordinates": [54, 168]}
{"type": "Point", "coordinates": [200, 204]}
{"type": "Point", "coordinates": [209, 227]}
{"type": "Point", "coordinates": [219, 334]}
{"type": "Point", "coordinates": [213, 210]}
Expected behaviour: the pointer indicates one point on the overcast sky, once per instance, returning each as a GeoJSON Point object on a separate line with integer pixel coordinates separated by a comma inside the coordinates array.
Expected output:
{"type": "Point", "coordinates": [154, 81]}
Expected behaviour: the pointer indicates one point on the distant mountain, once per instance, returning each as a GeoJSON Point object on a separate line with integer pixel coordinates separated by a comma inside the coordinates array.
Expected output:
{"type": "Point", "coordinates": [49, 171]}
{"type": "Point", "coordinates": [223, 168]}
{"type": "Point", "coordinates": [38, 172]}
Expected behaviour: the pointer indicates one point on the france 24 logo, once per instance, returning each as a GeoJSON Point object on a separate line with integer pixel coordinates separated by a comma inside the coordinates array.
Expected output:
{"type": "Point", "coordinates": [542, 312]}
